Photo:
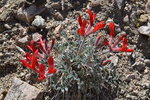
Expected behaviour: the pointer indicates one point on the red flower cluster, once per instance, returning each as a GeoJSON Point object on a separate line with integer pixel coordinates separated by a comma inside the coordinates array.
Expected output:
{"type": "Point", "coordinates": [111, 44]}
{"type": "Point", "coordinates": [87, 28]}
{"type": "Point", "coordinates": [34, 61]}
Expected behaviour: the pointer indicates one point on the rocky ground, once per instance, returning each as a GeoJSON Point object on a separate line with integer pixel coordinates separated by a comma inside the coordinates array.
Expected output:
{"type": "Point", "coordinates": [24, 20]}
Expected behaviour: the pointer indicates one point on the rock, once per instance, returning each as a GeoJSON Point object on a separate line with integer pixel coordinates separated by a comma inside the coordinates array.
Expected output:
{"type": "Point", "coordinates": [23, 91]}
{"type": "Point", "coordinates": [39, 22]}
{"type": "Point", "coordinates": [36, 36]}
{"type": "Point", "coordinates": [2, 94]}
{"type": "Point", "coordinates": [146, 85]}
{"type": "Point", "coordinates": [130, 97]}
{"type": "Point", "coordinates": [130, 77]}
{"type": "Point", "coordinates": [23, 40]}
{"type": "Point", "coordinates": [146, 71]}
{"type": "Point", "coordinates": [120, 3]}
{"type": "Point", "coordinates": [147, 62]}
{"type": "Point", "coordinates": [114, 60]}
{"type": "Point", "coordinates": [147, 7]}
{"type": "Point", "coordinates": [56, 5]}
{"type": "Point", "coordinates": [29, 13]}
{"type": "Point", "coordinates": [95, 3]}
{"type": "Point", "coordinates": [140, 66]}
{"type": "Point", "coordinates": [7, 26]}
{"type": "Point", "coordinates": [7, 11]}
{"type": "Point", "coordinates": [58, 29]}
{"type": "Point", "coordinates": [126, 19]}
{"type": "Point", "coordinates": [145, 30]}
{"type": "Point", "coordinates": [143, 18]}
{"type": "Point", "coordinates": [2, 27]}
{"type": "Point", "coordinates": [58, 16]}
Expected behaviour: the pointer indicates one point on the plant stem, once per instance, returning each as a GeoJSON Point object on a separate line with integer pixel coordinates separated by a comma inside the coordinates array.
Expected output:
{"type": "Point", "coordinates": [81, 45]}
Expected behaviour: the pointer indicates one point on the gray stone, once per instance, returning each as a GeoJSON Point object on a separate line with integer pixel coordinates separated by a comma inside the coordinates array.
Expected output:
{"type": "Point", "coordinates": [23, 91]}
{"type": "Point", "coordinates": [119, 3]}
{"type": "Point", "coordinates": [147, 7]}
{"type": "Point", "coordinates": [29, 13]}
{"type": "Point", "coordinates": [114, 60]}
{"type": "Point", "coordinates": [147, 62]}
{"type": "Point", "coordinates": [140, 66]}
{"type": "Point", "coordinates": [146, 85]}
{"type": "Point", "coordinates": [23, 40]}
{"type": "Point", "coordinates": [130, 77]}
{"type": "Point", "coordinates": [39, 22]}
{"type": "Point", "coordinates": [126, 19]}
{"type": "Point", "coordinates": [145, 30]}
{"type": "Point", "coordinates": [130, 97]}
{"type": "Point", "coordinates": [36, 36]}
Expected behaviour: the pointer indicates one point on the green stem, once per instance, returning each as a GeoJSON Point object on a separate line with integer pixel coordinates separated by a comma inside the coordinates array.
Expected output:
{"type": "Point", "coordinates": [81, 45]}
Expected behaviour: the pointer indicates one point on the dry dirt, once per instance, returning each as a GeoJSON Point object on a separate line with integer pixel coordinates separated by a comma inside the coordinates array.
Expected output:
{"type": "Point", "coordinates": [17, 28]}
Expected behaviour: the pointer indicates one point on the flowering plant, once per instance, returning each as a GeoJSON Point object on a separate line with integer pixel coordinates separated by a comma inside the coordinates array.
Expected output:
{"type": "Point", "coordinates": [81, 75]}
{"type": "Point", "coordinates": [39, 56]}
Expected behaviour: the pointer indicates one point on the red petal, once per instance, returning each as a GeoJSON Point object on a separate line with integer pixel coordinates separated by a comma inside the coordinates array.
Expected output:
{"type": "Point", "coordinates": [129, 50]}
{"type": "Point", "coordinates": [91, 17]}
{"type": "Point", "coordinates": [29, 47]}
{"type": "Point", "coordinates": [98, 39]}
{"type": "Point", "coordinates": [32, 46]}
{"type": "Point", "coordinates": [51, 65]}
{"type": "Point", "coordinates": [41, 78]}
{"type": "Point", "coordinates": [94, 16]}
{"type": "Point", "coordinates": [42, 72]}
{"type": "Point", "coordinates": [24, 62]}
{"type": "Point", "coordinates": [42, 45]}
{"type": "Point", "coordinates": [80, 20]}
{"type": "Point", "coordinates": [99, 25]}
{"type": "Point", "coordinates": [34, 60]}
{"type": "Point", "coordinates": [106, 42]}
{"type": "Point", "coordinates": [112, 29]}
{"type": "Point", "coordinates": [51, 47]}
{"type": "Point", "coordinates": [105, 62]}
{"type": "Point", "coordinates": [119, 40]}
{"type": "Point", "coordinates": [125, 42]}
{"type": "Point", "coordinates": [28, 56]}
{"type": "Point", "coordinates": [81, 31]}
{"type": "Point", "coordinates": [124, 47]}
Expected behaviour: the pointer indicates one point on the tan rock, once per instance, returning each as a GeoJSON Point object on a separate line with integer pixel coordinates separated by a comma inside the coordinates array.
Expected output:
{"type": "Point", "coordinates": [58, 16]}
{"type": "Point", "coordinates": [147, 7]}
{"type": "Point", "coordinates": [23, 91]}
{"type": "Point", "coordinates": [143, 18]}
{"type": "Point", "coordinates": [58, 29]}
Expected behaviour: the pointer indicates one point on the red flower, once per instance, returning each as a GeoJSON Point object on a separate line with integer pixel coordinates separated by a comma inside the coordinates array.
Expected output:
{"type": "Point", "coordinates": [92, 17]}
{"type": "Point", "coordinates": [32, 46]}
{"type": "Point", "coordinates": [124, 47]}
{"type": "Point", "coordinates": [42, 69]}
{"type": "Point", "coordinates": [112, 45]}
{"type": "Point", "coordinates": [87, 28]}
{"type": "Point", "coordinates": [31, 61]}
{"type": "Point", "coordinates": [99, 26]}
{"type": "Point", "coordinates": [51, 65]}
{"type": "Point", "coordinates": [81, 31]}
{"type": "Point", "coordinates": [34, 61]}
{"type": "Point", "coordinates": [43, 46]}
